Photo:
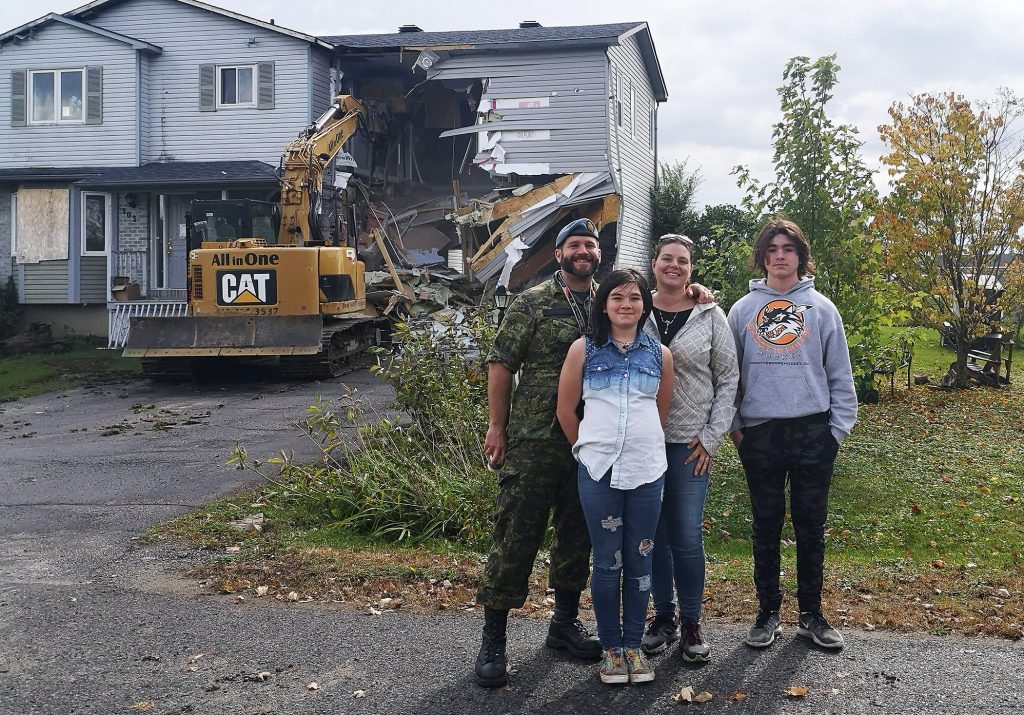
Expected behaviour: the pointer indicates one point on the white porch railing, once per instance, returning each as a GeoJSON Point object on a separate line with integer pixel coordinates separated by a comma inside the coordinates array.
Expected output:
{"type": "Point", "coordinates": [133, 265]}
{"type": "Point", "coordinates": [119, 316]}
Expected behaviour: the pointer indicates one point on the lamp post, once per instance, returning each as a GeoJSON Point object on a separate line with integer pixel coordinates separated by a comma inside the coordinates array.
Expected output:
{"type": "Point", "coordinates": [502, 299]}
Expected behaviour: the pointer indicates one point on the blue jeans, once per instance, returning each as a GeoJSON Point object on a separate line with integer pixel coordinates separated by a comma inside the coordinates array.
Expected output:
{"type": "Point", "coordinates": [621, 523]}
{"type": "Point", "coordinates": [679, 540]}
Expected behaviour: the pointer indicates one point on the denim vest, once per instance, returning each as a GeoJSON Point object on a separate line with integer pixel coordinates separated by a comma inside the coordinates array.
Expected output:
{"type": "Point", "coordinates": [621, 429]}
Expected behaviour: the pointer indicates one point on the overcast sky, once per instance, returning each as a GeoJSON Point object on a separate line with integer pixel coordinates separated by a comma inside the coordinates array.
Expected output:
{"type": "Point", "coordinates": [723, 60]}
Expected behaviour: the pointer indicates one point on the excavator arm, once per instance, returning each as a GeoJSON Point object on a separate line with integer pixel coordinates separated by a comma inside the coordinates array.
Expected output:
{"type": "Point", "coordinates": [302, 169]}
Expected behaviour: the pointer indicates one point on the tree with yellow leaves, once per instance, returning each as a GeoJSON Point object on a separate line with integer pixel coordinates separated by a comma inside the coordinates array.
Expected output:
{"type": "Point", "coordinates": [953, 220]}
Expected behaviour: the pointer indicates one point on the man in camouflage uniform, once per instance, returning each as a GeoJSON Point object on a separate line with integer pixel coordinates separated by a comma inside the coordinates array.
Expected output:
{"type": "Point", "coordinates": [537, 469]}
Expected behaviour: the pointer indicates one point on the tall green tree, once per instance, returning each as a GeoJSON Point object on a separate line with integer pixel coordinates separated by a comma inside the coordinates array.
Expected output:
{"type": "Point", "coordinates": [723, 234]}
{"type": "Point", "coordinates": [673, 198]}
{"type": "Point", "coordinates": [822, 183]}
{"type": "Point", "coordinates": [954, 219]}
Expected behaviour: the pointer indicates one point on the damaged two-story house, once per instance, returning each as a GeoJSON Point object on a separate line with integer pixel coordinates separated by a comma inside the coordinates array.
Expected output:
{"type": "Point", "coordinates": [116, 115]}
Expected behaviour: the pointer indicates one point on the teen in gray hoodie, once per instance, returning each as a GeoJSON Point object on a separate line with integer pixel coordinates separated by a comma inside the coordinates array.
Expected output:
{"type": "Point", "coordinates": [796, 403]}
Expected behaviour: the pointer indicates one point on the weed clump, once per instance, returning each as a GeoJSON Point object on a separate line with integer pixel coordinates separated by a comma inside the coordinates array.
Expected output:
{"type": "Point", "coordinates": [417, 473]}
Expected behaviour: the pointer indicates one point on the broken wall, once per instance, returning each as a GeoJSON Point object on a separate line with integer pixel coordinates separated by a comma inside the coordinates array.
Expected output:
{"type": "Point", "coordinates": [545, 111]}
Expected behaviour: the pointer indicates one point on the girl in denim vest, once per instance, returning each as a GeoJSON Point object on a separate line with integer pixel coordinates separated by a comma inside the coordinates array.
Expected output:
{"type": "Point", "coordinates": [620, 445]}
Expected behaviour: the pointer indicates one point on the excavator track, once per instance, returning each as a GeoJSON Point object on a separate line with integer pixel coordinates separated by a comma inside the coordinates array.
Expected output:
{"type": "Point", "coordinates": [167, 369]}
{"type": "Point", "coordinates": [342, 343]}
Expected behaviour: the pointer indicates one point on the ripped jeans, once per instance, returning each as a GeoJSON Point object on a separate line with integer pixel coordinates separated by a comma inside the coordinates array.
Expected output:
{"type": "Point", "coordinates": [621, 523]}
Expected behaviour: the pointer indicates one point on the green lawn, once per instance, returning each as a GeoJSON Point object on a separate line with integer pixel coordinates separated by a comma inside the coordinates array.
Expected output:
{"type": "Point", "coordinates": [84, 363]}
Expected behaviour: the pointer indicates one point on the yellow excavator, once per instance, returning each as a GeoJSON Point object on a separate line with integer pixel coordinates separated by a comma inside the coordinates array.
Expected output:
{"type": "Point", "coordinates": [264, 281]}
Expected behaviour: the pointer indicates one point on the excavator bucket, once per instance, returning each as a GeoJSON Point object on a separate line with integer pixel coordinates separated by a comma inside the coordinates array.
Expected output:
{"type": "Point", "coordinates": [189, 336]}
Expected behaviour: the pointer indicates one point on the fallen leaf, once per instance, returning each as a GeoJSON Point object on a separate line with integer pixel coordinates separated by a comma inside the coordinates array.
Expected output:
{"type": "Point", "coordinates": [915, 509]}
{"type": "Point", "coordinates": [738, 695]}
{"type": "Point", "coordinates": [939, 563]}
{"type": "Point", "coordinates": [262, 590]}
{"type": "Point", "coordinates": [142, 705]}
{"type": "Point", "coordinates": [293, 596]}
{"type": "Point", "coordinates": [796, 691]}
{"type": "Point", "coordinates": [313, 686]}
{"type": "Point", "coordinates": [239, 598]}
{"type": "Point", "coordinates": [233, 549]}
{"type": "Point", "coordinates": [703, 697]}
{"type": "Point", "coordinates": [984, 490]}
{"type": "Point", "coordinates": [196, 657]}
{"type": "Point", "coordinates": [685, 695]}
{"type": "Point", "coordinates": [359, 694]}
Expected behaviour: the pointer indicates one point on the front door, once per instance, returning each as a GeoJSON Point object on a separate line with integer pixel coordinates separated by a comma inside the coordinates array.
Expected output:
{"type": "Point", "coordinates": [175, 208]}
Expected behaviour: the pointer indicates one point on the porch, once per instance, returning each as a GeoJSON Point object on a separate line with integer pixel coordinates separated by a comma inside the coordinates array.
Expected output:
{"type": "Point", "coordinates": [131, 294]}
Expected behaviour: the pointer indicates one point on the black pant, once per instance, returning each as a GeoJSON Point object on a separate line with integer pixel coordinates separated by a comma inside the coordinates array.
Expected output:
{"type": "Point", "coordinates": [801, 451]}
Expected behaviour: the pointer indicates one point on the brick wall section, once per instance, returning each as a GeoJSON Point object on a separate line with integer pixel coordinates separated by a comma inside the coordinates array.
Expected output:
{"type": "Point", "coordinates": [132, 223]}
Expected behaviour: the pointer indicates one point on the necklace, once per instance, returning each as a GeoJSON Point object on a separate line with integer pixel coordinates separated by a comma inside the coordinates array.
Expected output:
{"type": "Point", "coordinates": [624, 345]}
{"type": "Point", "coordinates": [666, 318]}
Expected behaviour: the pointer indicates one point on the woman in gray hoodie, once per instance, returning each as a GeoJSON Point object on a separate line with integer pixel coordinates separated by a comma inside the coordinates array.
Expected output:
{"type": "Point", "coordinates": [703, 394]}
{"type": "Point", "coordinates": [795, 405]}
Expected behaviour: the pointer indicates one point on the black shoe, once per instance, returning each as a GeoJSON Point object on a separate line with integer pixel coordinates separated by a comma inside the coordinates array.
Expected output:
{"type": "Point", "coordinates": [662, 632]}
{"type": "Point", "coordinates": [815, 626]}
{"type": "Point", "coordinates": [491, 667]}
{"type": "Point", "coordinates": [574, 637]}
{"type": "Point", "coordinates": [767, 626]}
{"type": "Point", "coordinates": [692, 647]}
{"type": "Point", "coordinates": [567, 633]}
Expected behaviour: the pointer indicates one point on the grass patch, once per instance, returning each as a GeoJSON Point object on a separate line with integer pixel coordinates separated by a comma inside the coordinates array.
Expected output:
{"type": "Point", "coordinates": [923, 533]}
{"type": "Point", "coordinates": [39, 372]}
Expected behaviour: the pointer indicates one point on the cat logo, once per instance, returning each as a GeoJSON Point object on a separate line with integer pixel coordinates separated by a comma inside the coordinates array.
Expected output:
{"type": "Point", "coordinates": [246, 288]}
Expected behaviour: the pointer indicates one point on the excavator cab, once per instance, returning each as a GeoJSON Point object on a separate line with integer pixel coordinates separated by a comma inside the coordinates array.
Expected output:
{"type": "Point", "coordinates": [228, 220]}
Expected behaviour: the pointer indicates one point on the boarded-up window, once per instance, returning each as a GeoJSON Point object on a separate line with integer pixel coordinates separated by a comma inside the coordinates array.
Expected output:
{"type": "Point", "coordinates": [42, 225]}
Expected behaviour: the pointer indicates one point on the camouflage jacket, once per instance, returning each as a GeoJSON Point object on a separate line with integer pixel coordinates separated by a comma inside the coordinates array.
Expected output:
{"type": "Point", "coordinates": [533, 340]}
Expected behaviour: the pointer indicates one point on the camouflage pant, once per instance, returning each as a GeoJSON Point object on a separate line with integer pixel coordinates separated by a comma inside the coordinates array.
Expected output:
{"type": "Point", "coordinates": [801, 451]}
{"type": "Point", "coordinates": [538, 476]}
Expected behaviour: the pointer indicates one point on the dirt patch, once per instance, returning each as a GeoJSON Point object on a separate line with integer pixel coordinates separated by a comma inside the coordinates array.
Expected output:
{"type": "Point", "coordinates": [376, 580]}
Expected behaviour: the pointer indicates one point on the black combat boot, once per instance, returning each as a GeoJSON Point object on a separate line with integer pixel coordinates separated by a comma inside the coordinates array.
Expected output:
{"type": "Point", "coordinates": [566, 632]}
{"type": "Point", "coordinates": [490, 666]}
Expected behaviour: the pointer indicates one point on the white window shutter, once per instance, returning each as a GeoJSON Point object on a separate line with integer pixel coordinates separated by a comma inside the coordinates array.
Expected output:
{"type": "Point", "coordinates": [94, 95]}
{"type": "Point", "coordinates": [265, 88]}
{"type": "Point", "coordinates": [19, 109]}
{"type": "Point", "coordinates": [207, 88]}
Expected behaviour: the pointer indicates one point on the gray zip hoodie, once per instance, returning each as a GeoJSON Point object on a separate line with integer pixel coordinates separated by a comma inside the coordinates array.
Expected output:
{"type": "Point", "coordinates": [793, 357]}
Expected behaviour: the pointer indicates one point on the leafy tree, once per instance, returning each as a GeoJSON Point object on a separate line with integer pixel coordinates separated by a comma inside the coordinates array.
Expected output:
{"type": "Point", "coordinates": [956, 212]}
{"type": "Point", "coordinates": [822, 183]}
{"type": "Point", "coordinates": [723, 234]}
{"type": "Point", "coordinates": [673, 198]}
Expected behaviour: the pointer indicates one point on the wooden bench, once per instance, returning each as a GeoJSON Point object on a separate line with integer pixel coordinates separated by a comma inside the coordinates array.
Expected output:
{"type": "Point", "coordinates": [990, 358]}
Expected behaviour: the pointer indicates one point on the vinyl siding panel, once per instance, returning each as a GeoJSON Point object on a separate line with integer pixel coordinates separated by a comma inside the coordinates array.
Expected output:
{"type": "Point", "coordinates": [320, 68]}
{"type": "Point", "coordinates": [189, 37]}
{"type": "Point", "coordinates": [633, 158]}
{"type": "Point", "coordinates": [46, 282]}
{"type": "Point", "coordinates": [59, 46]}
{"type": "Point", "coordinates": [574, 85]}
{"type": "Point", "coordinates": [93, 279]}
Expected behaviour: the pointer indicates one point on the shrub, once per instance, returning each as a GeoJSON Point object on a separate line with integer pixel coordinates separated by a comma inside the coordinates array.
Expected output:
{"type": "Point", "coordinates": [415, 476]}
{"type": "Point", "coordinates": [10, 309]}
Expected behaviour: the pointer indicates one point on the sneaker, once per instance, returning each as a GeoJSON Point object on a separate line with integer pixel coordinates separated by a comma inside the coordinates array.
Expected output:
{"type": "Point", "coordinates": [613, 669]}
{"type": "Point", "coordinates": [693, 648]}
{"type": "Point", "coordinates": [661, 633]}
{"type": "Point", "coordinates": [640, 668]}
{"type": "Point", "coordinates": [815, 626]}
{"type": "Point", "coordinates": [766, 627]}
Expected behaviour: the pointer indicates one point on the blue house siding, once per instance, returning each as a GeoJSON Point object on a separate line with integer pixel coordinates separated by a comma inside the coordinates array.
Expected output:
{"type": "Point", "coordinates": [59, 46]}
{"type": "Point", "coordinates": [189, 37]}
{"type": "Point", "coordinates": [571, 84]}
{"type": "Point", "coordinates": [320, 82]}
{"type": "Point", "coordinates": [632, 154]}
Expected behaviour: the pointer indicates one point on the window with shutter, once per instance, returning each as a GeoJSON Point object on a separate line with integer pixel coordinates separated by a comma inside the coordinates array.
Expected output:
{"type": "Point", "coordinates": [265, 99]}
{"type": "Point", "coordinates": [207, 88]}
{"type": "Point", "coordinates": [19, 79]}
{"type": "Point", "coordinates": [236, 86]}
{"type": "Point", "coordinates": [55, 96]}
{"type": "Point", "coordinates": [94, 95]}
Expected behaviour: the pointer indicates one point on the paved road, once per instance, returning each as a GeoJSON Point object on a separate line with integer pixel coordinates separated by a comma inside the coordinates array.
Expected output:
{"type": "Point", "coordinates": [93, 622]}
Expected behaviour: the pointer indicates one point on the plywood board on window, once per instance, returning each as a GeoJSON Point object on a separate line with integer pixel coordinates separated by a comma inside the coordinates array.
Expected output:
{"type": "Point", "coordinates": [42, 225]}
